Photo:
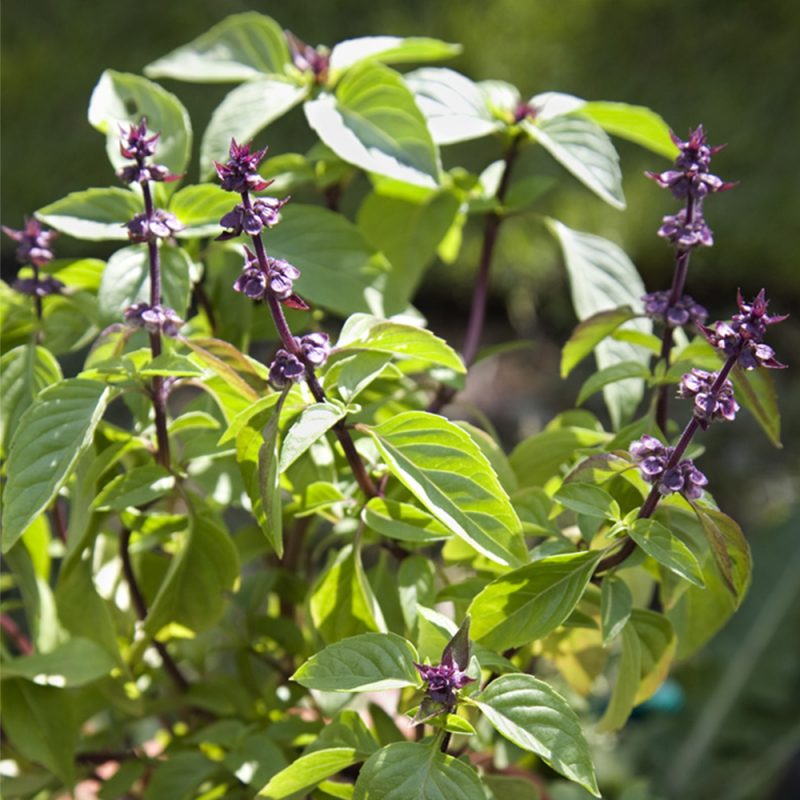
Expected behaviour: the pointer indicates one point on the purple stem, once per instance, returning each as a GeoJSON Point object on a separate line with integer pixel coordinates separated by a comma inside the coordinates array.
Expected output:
{"type": "Point", "coordinates": [157, 388]}
{"type": "Point", "coordinates": [682, 255]}
{"type": "Point", "coordinates": [290, 344]}
{"type": "Point", "coordinates": [480, 291]}
{"type": "Point", "coordinates": [651, 501]}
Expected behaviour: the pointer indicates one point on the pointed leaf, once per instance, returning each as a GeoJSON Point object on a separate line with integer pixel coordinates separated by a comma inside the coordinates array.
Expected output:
{"type": "Point", "coordinates": [374, 123]}
{"type": "Point", "coordinates": [52, 434]}
{"type": "Point", "coordinates": [309, 770]}
{"type": "Point", "coordinates": [455, 107]}
{"type": "Point", "coordinates": [589, 333]}
{"type": "Point", "coordinates": [602, 277]}
{"type": "Point", "coordinates": [389, 50]}
{"type": "Point", "coordinates": [365, 663]}
{"type": "Point", "coordinates": [446, 471]}
{"type": "Point", "coordinates": [626, 686]}
{"type": "Point", "coordinates": [658, 642]}
{"type": "Point", "coordinates": [616, 603]}
{"type": "Point", "coordinates": [587, 499]}
{"type": "Point", "coordinates": [342, 603]}
{"type": "Point", "coordinates": [94, 214]}
{"type": "Point", "coordinates": [414, 771]}
{"type": "Point", "coordinates": [530, 602]}
{"type": "Point", "coordinates": [403, 521]}
{"type": "Point", "coordinates": [243, 113]}
{"type": "Point", "coordinates": [200, 207]}
{"type": "Point", "coordinates": [135, 488]}
{"type": "Point", "coordinates": [241, 47]}
{"type": "Point", "coordinates": [636, 123]}
{"type": "Point", "coordinates": [725, 539]}
{"type": "Point", "coordinates": [657, 541]}
{"type": "Point", "coordinates": [124, 99]}
{"type": "Point", "coordinates": [74, 663]}
{"type": "Point", "coordinates": [755, 390]}
{"type": "Point", "coordinates": [310, 426]}
{"type": "Point", "coordinates": [581, 147]}
{"type": "Point", "coordinates": [365, 332]}
{"type": "Point", "coordinates": [535, 717]}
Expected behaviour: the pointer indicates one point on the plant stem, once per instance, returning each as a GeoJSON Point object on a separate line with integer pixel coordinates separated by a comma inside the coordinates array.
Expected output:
{"type": "Point", "coordinates": [480, 290]}
{"type": "Point", "coordinates": [651, 501]}
{"type": "Point", "coordinates": [157, 391]}
{"type": "Point", "coordinates": [21, 641]}
{"type": "Point", "coordinates": [290, 344]}
{"type": "Point", "coordinates": [682, 255]}
{"type": "Point", "coordinates": [141, 610]}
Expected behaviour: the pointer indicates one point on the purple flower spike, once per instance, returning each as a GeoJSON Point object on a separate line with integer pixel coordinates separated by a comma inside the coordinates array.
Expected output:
{"type": "Point", "coordinates": [161, 225]}
{"type": "Point", "coordinates": [41, 287]}
{"type": "Point", "coordinates": [690, 175]}
{"type": "Point", "coordinates": [680, 233]}
{"type": "Point", "coordinates": [285, 370]}
{"type": "Point", "coordinates": [34, 243]}
{"type": "Point", "coordinates": [281, 278]}
{"type": "Point", "coordinates": [683, 312]}
{"type": "Point", "coordinates": [135, 143]}
{"type": "Point", "coordinates": [743, 336]}
{"type": "Point", "coordinates": [316, 348]}
{"type": "Point", "coordinates": [313, 60]}
{"type": "Point", "coordinates": [653, 458]}
{"type": "Point", "coordinates": [240, 172]}
{"type": "Point", "coordinates": [253, 283]}
{"type": "Point", "coordinates": [264, 212]}
{"type": "Point", "coordinates": [154, 319]}
{"type": "Point", "coordinates": [697, 385]}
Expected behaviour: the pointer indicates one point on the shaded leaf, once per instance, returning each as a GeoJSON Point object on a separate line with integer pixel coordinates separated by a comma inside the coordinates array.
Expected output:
{"type": "Point", "coordinates": [616, 603]}
{"type": "Point", "coordinates": [626, 685]}
{"type": "Point", "coordinates": [589, 333]}
{"type": "Point", "coordinates": [74, 663]}
{"type": "Point", "coordinates": [135, 488]}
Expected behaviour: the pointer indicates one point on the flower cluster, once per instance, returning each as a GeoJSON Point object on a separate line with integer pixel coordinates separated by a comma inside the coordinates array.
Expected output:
{"type": "Point", "coordinates": [654, 459]}
{"type": "Point", "coordinates": [315, 347]}
{"type": "Point", "coordinates": [690, 176]}
{"type": "Point", "coordinates": [278, 280]}
{"type": "Point", "coordinates": [682, 312]}
{"type": "Point", "coordinates": [158, 225]}
{"type": "Point", "coordinates": [743, 336]}
{"type": "Point", "coordinates": [446, 678]}
{"type": "Point", "coordinates": [33, 243]}
{"type": "Point", "coordinates": [240, 172]}
{"type": "Point", "coordinates": [285, 370]}
{"type": "Point", "coordinates": [136, 145]}
{"type": "Point", "coordinates": [154, 319]}
{"type": "Point", "coordinates": [684, 233]}
{"type": "Point", "coordinates": [314, 61]}
{"type": "Point", "coordinates": [252, 217]}
{"type": "Point", "coordinates": [710, 402]}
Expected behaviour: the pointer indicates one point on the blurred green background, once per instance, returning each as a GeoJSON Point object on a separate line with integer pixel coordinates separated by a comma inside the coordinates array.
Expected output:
{"type": "Point", "coordinates": [730, 64]}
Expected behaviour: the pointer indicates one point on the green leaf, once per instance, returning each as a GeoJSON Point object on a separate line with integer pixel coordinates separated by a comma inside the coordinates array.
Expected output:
{"type": "Point", "coordinates": [374, 123]}
{"type": "Point", "coordinates": [24, 372]}
{"type": "Point", "coordinates": [365, 332]}
{"type": "Point", "coordinates": [726, 540]}
{"type": "Point", "coordinates": [389, 50]}
{"type": "Point", "coordinates": [589, 333]}
{"type": "Point", "coordinates": [365, 663]}
{"type": "Point", "coordinates": [536, 459]}
{"type": "Point", "coordinates": [194, 591]}
{"type": "Point", "coordinates": [637, 123]}
{"type": "Point", "coordinates": [241, 47]}
{"type": "Point", "coordinates": [235, 369]}
{"type": "Point", "coordinates": [51, 436]}
{"type": "Point", "coordinates": [408, 232]}
{"type": "Point", "coordinates": [415, 771]}
{"type": "Point", "coordinates": [626, 686]}
{"type": "Point", "coordinates": [609, 375]}
{"type": "Point", "coordinates": [668, 550]}
{"type": "Point", "coordinates": [616, 603]}
{"type": "Point", "coordinates": [136, 487]}
{"type": "Point", "coordinates": [94, 214]}
{"type": "Point", "coordinates": [172, 365]}
{"type": "Point", "coordinates": [602, 277]}
{"type": "Point", "coordinates": [200, 207]}
{"type": "Point", "coordinates": [342, 603]}
{"type": "Point", "coordinates": [74, 663]}
{"type": "Point", "coordinates": [244, 112]}
{"type": "Point", "coordinates": [339, 268]}
{"type": "Point", "coordinates": [587, 499]}
{"type": "Point", "coordinates": [179, 776]}
{"type": "Point", "coordinates": [446, 471]}
{"type": "Point", "coordinates": [524, 605]}
{"type": "Point", "coordinates": [755, 390]}
{"type": "Point", "coordinates": [581, 147]}
{"type": "Point", "coordinates": [536, 718]}
{"type": "Point", "coordinates": [454, 106]}
{"type": "Point", "coordinates": [122, 99]}
{"type": "Point", "coordinates": [126, 280]}
{"type": "Point", "coordinates": [658, 642]}
{"type": "Point", "coordinates": [491, 448]}
{"type": "Point", "coordinates": [352, 374]}
{"type": "Point", "coordinates": [309, 770]}
{"type": "Point", "coordinates": [416, 584]}
{"type": "Point", "coordinates": [403, 521]}
{"type": "Point", "coordinates": [310, 426]}
{"type": "Point", "coordinates": [28, 715]}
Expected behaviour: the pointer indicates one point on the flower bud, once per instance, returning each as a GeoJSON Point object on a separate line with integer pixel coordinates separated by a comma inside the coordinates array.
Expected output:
{"type": "Point", "coordinates": [285, 369]}
{"type": "Point", "coordinates": [154, 319]}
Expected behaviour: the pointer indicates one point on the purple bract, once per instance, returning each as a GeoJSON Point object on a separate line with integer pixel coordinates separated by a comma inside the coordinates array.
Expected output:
{"type": "Point", "coordinates": [264, 212]}
{"type": "Point", "coordinates": [160, 225]}
{"type": "Point", "coordinates": [680, 233]}
{"type": "Point", "coordinates": [653, 458]}
{"type": "Point", "coordinates": [683, 312]}
{"type": "Point", "coordinates": [316, 348]}
{"type": "Point", "coordinates": [34, 243]}
{"type": "Point", "coordinates": [709, 405]}
{"type": "Point", "coordinates": [240, 172]}
{"type": "Point", "coordinates": [285, 369]}
{"type": "Point", "coordinates": [154, 319]}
